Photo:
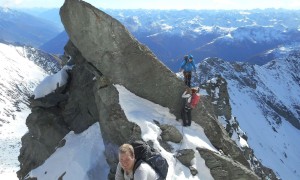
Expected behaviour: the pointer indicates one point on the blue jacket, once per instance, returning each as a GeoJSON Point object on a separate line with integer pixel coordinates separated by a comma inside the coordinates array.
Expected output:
{"type": "Point", "coordinates": [188, 67]}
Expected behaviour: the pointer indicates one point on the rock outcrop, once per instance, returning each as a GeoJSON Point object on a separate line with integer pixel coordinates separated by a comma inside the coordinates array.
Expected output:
{"type": "Point", "coordinates": [104, 42]}
{"type": "Point", "coordinates": [104, 53]}
{"type": "Point", "coordinates": [224, 168]}
{"type": "Point", "coordinates": [54, 115]}
{"type": "Point", "coordinates": [220, 98]}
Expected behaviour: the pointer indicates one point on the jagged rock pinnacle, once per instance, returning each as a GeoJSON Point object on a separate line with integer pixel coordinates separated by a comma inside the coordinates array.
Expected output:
{"type": "Point", "coordinates": [105, 42]}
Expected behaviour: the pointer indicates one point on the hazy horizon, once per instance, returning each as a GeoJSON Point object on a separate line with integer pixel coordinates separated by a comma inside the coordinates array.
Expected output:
{"type": "Point", "coordinates": [163, 5]}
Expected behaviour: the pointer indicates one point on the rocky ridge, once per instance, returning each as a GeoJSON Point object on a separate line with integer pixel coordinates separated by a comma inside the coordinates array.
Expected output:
{"type": "Point", "coordinates": [261, 97]}
{"type": "Point", "coordinates": [104, 53]}
{"type": "Point", "coordinates": [217, 90]}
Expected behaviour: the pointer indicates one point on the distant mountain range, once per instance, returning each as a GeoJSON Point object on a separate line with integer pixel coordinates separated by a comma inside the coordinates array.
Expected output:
{"type": "Point", "coordinates": [56, 45]}
{"type": "Point", "coordinates": [22, 28]}
{"type": "Point", "coordinates": [233, 35]}
{"type": "Point", "coordinates": [230, 35]}
{"type": "Point", "coordinates": [50, 15]}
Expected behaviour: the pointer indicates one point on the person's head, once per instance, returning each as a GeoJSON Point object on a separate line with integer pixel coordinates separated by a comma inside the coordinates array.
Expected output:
{"type": "Point", "coordinates": [191, 57]}
{"type": "Point", "coordinates": [186, 57]}
{"type": "Point", "coordinates": [195, 89]}
{"type": "Point", "coordinates": [188, 90]}
{"type": "Point", "coordinates": [126, 157]}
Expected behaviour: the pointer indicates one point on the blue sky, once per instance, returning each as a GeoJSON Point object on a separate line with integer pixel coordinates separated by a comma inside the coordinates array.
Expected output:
{"type": "Point", "coordinates": [162, 4]}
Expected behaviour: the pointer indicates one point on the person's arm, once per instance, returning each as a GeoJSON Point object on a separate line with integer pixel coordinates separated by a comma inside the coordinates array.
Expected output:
{"type": "Point", "coordinates": [145, 172]}
{"type": "Point", "coordinates": [119, 175]}
{"type": "Point", "coordinates": [182, 66]}
{"type": "Point", "coordinates": [141, 174]}
{"type": "Point", "coordinates": [185, 95]}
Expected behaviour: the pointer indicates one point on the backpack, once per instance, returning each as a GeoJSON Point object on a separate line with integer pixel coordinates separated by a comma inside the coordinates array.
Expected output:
{"type": "Point", "coordinates": [195, 100]}
{"type": "Point", "coordinates": [145, 153]}
{"type": "Point", "coordinates": [186, 60]}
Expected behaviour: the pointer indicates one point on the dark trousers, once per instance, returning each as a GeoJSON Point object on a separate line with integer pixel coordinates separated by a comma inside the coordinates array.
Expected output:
{"type": "Point", "coordinates": [187, 78]}
{"type": "Point", "coordinates": [186, 116]}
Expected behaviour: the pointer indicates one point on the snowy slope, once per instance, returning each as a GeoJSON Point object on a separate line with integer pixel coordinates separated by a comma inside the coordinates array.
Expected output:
{"type": "Point", "coordinates": [265, 100]}
{"type": "Point", "coordinates": [79, 164]}
{"type": "Point", "coordinates": [18, 78]}
{"type": "Point", "coordinates": [278, 150]}
{"type": "Point", "coordinates": [82, 157]}
{"type": "Point", "coordinates": [280, 147]}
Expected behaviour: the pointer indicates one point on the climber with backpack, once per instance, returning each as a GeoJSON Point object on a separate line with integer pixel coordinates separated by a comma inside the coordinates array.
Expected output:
{"type": "Point", "coordinates": [191, 98]}
{"type": "Point", "coordinates": [139, 161]}
{"type": "Point", "coordinates": [187, 66]}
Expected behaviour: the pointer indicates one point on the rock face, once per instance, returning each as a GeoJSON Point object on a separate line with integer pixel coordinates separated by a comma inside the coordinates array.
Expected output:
{"type": "Point", "coordinates": [105, 43]}
{"type": "Point", "coordinates": [37, 144]}
{"type": "Point", "coordinates": [170, 133]}
{"type": "Point", "coordinates": [219, 94]}
{"type": "Point", "coordinates": [53, 116]}
{"type": "Point", "coordinates": [104, 53]}
{"type": "Point", "coordinates": [224, 168]}
{"type": "Point", "coordinates": [185, 156]}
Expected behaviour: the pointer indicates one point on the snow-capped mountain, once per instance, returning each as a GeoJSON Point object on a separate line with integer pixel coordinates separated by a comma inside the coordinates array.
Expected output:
{"type": "Point", "coordinates": [276, 53]}
{"type": "Point", "coordinates": [199, 21]}
{"type": "Point", "coordinates": [265, 102]}
{"type": "Point", "coordinates": [127, 104]}
{"type": "Point", "coordinates": [229, 34]}
{"type": "Point", "coordinates": [21, 71]}
{"type": "Point", "coordinates": [93, 113]}
{"type": "Point", "coordinates": [21, 28]}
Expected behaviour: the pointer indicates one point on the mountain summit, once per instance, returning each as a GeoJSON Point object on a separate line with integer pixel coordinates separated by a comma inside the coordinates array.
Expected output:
{"type": "Point", "coordinates": [120, 85]}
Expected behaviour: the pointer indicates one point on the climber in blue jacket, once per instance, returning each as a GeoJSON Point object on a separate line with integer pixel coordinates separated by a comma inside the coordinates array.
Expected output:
{"type": "Point", "coordinates": [187, 66]}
